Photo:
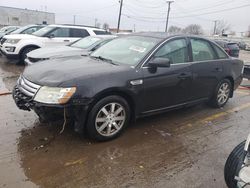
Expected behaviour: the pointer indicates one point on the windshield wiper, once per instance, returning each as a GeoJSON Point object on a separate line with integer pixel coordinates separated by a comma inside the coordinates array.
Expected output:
{"type": "Point", "coordinates": [105, 59]}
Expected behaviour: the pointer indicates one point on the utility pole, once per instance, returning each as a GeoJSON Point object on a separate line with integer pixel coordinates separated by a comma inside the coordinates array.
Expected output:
{"type": "Point", "coordinates": [96, 22]}
{"type": "Point", "coordinates": [169, 4]}
{"type": "Point", "coordinates": [119, 18]}
{"type": "Point", "coordinates": [215, 26]}
{"type": "Point", "coordinates": [74, 19]}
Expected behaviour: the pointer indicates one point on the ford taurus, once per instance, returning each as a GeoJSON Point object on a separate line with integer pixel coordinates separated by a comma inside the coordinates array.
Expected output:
{"type": "Point", "coordinates": [127, 78]}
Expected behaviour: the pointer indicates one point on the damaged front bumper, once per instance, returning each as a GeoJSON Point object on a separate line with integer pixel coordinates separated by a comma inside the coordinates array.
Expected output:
{"type": "Point", "coordinates": [76, 110]}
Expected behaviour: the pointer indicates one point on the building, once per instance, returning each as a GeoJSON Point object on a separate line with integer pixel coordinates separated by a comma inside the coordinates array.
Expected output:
{"type": "Point", "coordinates": [22, 17]}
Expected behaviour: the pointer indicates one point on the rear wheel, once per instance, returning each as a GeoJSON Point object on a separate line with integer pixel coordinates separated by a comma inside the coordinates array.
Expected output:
{"type": "Point", "coordinates": [233, 164]}
{"type": "Point", "coordinates": [108, 118]}
{"type": "Point", "coordinates": [221, 94]}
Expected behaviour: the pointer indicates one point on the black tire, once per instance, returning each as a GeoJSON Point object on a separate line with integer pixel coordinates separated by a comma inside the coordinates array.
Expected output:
{"type": "Point", "coordinates": [214, 102]}
{"type": "Point", "coordinates": [24, 53]}
{"type": "Point", "coordinates": [233, 164]}
{"type": "Point", "coordinates": [91, 123]}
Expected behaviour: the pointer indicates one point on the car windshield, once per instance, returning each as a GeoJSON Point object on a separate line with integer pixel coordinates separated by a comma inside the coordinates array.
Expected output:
{"type": "Point", "coordinates": [126, 50]}
{"type": "Point", "coordinates": [43, 31]}
{"type": "Point", "coordinates": [20, 29]}
{"type": "Point", "coordinates": [2, 30]}
{"type": "Point", "coordinates": [85, 42]}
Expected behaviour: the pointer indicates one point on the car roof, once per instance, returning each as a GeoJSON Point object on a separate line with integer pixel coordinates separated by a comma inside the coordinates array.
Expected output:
{"type": "Point", "coordinates": [103, 36]}
{"type": "Point", "coordinates": [76, 26]}
{"type": "Point", "coordinates": [163, 35]}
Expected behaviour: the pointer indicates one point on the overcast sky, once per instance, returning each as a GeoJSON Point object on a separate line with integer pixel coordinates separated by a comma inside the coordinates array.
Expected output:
{"type": "Point", "coordinates": [144, 15]}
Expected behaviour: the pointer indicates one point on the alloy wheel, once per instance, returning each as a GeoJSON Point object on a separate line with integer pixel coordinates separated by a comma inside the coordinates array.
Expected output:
{"type": "Point", "coordinates": [110, 119]}
{"type": "Point", "coordinates": [223, 93]}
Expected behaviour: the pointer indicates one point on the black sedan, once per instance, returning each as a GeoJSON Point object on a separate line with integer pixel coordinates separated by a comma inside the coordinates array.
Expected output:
{"type": "Point", "coordinates": [129, 77]}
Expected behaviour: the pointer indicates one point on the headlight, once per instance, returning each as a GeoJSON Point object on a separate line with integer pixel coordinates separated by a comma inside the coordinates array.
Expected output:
{"type": "Point", "coordinates": [12, 41]}
{"type": "Point", "coordinates": [54, 95]}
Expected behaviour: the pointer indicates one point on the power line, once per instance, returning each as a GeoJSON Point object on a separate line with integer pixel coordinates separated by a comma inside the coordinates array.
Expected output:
{"type": "Point", "coordinates": [212, 12]}
{"type": "Point", "coordinates": [207, 7]}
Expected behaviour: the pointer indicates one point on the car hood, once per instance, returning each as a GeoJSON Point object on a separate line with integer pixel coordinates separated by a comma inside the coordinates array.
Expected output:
{"type": "Point", "coordinates": [20, 36]}
{"type": "Point", "coordinates": [68, 72]}
{"type": "Point", "coordinates": [56, 52]}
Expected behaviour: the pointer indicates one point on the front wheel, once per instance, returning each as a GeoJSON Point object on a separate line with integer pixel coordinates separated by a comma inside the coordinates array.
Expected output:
{"type": "Point", "coordinates": [24, 53]}
{"type": "Point", "coordinates": [108, 118]}
{"type": "Point", "coordinates": [221, 94]}
{"type": "Point", "coordinates": [233, 164]}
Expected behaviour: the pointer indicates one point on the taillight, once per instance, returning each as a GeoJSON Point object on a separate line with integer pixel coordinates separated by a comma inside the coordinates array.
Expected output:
{"type": "Point", "coordinates": [228, 50]}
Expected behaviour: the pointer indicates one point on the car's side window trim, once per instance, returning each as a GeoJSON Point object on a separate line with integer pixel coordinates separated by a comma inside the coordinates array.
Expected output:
{"type": "Point", "coordinates": [144, 64]}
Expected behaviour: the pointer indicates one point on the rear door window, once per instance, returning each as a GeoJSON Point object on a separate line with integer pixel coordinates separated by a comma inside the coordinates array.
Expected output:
{"type": "Point", "coordinates": [61, 32]}
{"type": "Point", "coordinates": [79, 33]}
{"type": "Point", "coordinates": [202, 50]}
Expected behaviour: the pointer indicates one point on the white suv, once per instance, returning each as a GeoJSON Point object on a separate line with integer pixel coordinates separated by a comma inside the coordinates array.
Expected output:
{"type": "Point", "coordinates": [18, 45]}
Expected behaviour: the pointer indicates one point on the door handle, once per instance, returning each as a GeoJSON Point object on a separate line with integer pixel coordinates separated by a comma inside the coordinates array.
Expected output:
{"type": "Point", "coordinates": [217, 69]}
{"type": "Point", "coordinates": [184, 75]}
{"type": "Point", "coordinates": [66, 40]}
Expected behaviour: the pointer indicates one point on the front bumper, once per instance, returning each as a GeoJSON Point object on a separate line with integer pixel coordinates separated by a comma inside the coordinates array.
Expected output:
{"type": "Point", "coordinates": [75, 110]}
{"type": "Point", "coordinates": [9, 56]}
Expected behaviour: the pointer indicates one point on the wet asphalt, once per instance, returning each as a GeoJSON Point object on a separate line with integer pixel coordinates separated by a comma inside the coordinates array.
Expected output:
{"type": "Point", "coordinates": [183, 148]}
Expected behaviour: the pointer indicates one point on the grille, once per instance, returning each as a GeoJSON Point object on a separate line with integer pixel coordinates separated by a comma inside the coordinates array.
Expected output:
{"type": "Point", "coordinates": [26, 87]}
{"type": "Point", "coordinates": [2, 40]}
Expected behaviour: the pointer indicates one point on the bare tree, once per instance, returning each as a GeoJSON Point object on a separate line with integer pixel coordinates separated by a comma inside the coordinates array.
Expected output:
{"type": "Point", "coordinates": [105, 26]}
{"type": "Point", "coordinates": [221, 27]}
{"type": "Point", "coordinates": [193, 29]}
{"type": "Point", "coordinates": [98, 25]}
{"type": "Point", "coordinates": [174, 30]}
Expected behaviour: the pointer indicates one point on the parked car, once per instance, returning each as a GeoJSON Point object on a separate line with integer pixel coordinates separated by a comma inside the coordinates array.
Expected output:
{"type": "Point", "coordinates": [28, 29]}
{"type": "Point", "coordinates": [246, 73]}
{"type": "Point", "coordinates": [232, 48]}
{"type": "Point", "coordinates": [18, 45]}
{"type": "Point", "coordinates": [242, 45]}
{"type": "Point", "coordinates": [129, 77]}
{"type": "Point", "coordinates": [7, 30]}
{"type": "Point", "coordinates": [247, 47]}
{"type": "Point", "coordinates": [237, 168]}
{"type": "Point", "coordinates": [80, 47]}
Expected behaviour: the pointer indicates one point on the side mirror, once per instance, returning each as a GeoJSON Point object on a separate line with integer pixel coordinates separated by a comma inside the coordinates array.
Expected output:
{"type": "Point", "coordinates": [159, 62]}
{"type": "Point", "coordinates": [51, 36]}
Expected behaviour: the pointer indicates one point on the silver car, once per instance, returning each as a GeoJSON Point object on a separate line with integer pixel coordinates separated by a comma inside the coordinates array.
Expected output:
{"type": "Point", "coordinates": [78, 48]}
